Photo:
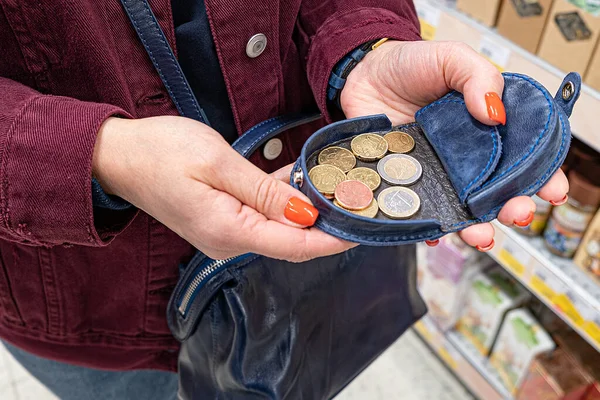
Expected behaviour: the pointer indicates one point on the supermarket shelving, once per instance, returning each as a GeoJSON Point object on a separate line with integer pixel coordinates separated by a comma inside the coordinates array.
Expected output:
{"type": "Point", "coordinates": [441, 22]}
{"type": "Point", "coordinates": [464, 360]}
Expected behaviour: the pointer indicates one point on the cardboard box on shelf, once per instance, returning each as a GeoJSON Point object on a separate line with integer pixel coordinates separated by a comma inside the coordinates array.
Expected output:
{"type": "Point", "coordinates": [485, 11]}
{"type": "Point", "coordinates": [570, 37]}
{"type": "Point", "coordinates": [520, 340]}
{"type": "Point", "coordinates": [592, 76]}
{"type": "Point", "coordinates": [523, 21]}
{"type": "Point", "coordinates": [555, 376]}
{"type": "Point", "coordinates": [444, 275]}
{"type": "Point", "coordinates": [491, 294]}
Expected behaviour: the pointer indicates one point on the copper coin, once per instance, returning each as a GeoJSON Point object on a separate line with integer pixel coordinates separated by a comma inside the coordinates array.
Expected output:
{"type": "Point", "coordinates": [353, 195]}
{"type": "Point", "coordinates": [369, 212]}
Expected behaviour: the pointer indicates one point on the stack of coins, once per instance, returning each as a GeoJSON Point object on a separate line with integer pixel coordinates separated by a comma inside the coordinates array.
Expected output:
{"type": "Point", "coordinates": [351, 188]}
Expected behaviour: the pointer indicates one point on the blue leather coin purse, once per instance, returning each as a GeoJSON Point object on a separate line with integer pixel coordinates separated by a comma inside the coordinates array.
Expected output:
{"type": "Point", "coordinates": [470, 170]}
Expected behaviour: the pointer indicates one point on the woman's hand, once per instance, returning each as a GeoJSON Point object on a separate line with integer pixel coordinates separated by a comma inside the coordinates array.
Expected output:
{"type": "Point", "coordinates": [399, 78]}
{"type": "Point", "coordinates": [187, 176]}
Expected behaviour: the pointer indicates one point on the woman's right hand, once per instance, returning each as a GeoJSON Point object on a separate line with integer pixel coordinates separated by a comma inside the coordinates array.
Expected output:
{"type": "Point", "coordinates": [184, 174]}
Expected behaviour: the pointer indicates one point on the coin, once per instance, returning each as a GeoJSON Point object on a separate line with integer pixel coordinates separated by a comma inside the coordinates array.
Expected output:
{"type": "Point", "coordinates": [353, 195]}
{"type": "Point", "coordinates": [369, 212]}
{"type": "Point", "coordinates": [326, 178]}
{"type": "Point", "coordinates": [399, 169]}
{"type": "Point", "coordinates": [338, 157]}
{"type": "Point", "coordinates": [398, 202]}
{"type": "Point", "coordinates": [365, 175]}
{"type": "Point", "coordinates": [399, 142]}
{"type": "Point", "coordinates": [369, 146]}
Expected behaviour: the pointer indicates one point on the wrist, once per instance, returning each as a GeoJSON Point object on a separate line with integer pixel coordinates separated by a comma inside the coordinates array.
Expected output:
{"type": "Point", "coordinates": [107, 154]}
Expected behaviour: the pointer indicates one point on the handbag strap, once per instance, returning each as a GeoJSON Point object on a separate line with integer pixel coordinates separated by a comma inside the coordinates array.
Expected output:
{"type": "Point", "coordinates": [171, 74]}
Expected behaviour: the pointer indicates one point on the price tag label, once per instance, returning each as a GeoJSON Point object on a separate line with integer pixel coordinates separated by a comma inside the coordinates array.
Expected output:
{"type": "Point", "coordinates": [424, 330]}
{"type": "Point", "coordinates": [545, 283]}
{"type": "Point", "coordinates": [564, 302]}
{"type": "Point", "coordinates": [429, 17]}
{"type": "Point", "coordinates": [514, 257]}
{"type": "Point", "coordinates": [496, 53]}
{"type": "Point", "coordinates": [592, 328]}
{"type": "Point", "coordinates": [446, 354]}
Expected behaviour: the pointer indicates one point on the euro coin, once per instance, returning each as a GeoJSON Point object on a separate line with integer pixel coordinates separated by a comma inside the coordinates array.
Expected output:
{"type": "Point", "coordinates": [369, 146]}
{"type": "Point", "coordinates": [338, 157]}
{"type": "Point", "coordinates": [399, 142]}
{"type": "Point", "coordinates": [398, 202]}
{"type": "Point", "coordinates": [353, 195]}
{"type": "Point", "coordinates": [369, 212]}
{"type": "Point", "coordinates": [400, 169]}
{"type": "Point", "coordinates": [365, 175]}
{"type": "Point", "coordinates": [326, 178]}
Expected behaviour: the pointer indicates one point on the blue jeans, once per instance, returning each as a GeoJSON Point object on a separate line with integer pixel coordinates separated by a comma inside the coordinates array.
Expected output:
{"type": "Point", "coordinates": [73, 382]}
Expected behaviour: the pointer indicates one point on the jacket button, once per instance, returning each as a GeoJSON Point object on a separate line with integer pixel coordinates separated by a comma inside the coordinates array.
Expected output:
{"type": "Point", "coordinates": [256, 45]}
{"type": "Point", "coordinates": [273, 149]}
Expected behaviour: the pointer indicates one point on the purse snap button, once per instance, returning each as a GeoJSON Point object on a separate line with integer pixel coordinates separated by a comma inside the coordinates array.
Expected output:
{"type": "Point", "coordinates": [568, 91]}
{"type": "Point", "coordinates": [256, 45]}
{"type": "Point", "coordinates": [273, 149]}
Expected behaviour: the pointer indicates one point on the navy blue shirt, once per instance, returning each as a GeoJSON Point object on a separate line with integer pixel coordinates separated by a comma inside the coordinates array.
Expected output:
{"type": "Point", "coordinates": [198, 59]}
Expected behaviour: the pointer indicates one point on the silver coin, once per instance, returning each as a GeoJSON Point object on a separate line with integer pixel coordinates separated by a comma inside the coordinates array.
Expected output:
{"type": "Point", "coordinates": [399, 169]}
{"type": "Point", "coordinates": [398, 202]}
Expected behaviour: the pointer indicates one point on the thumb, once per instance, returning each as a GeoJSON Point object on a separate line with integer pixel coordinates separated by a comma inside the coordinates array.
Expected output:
{"type": "Point", "coordinates": [478, 80]}
{"type": "Point", "coordinates": [267, 194]}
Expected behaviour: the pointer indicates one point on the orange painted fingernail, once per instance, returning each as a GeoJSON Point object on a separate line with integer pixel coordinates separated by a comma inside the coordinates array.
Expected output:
{"type": "Point", "coordinates": [486, 248]}
{"type": "Point", "coordinates": [300, 212]}
{"type": "Point", "coordinates": [495, 108]}
{"type": "Point", "coordinates": [525, 222]}
{"type": "Point", "coordinates": [560, 202]}
{"type": "Point", "coordinates": [432, 243]}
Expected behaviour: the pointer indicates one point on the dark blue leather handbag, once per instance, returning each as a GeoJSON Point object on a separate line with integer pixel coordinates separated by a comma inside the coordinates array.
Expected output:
{"type": "Point", "coordinates": [252, 327]}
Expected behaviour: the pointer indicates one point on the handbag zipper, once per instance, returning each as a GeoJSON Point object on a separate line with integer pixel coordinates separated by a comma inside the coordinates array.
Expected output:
{"type": "Point", "coordinates": [207, 271]}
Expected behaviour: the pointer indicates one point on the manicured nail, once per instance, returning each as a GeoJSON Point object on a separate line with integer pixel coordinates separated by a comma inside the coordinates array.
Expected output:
{"type": "Point", "coordinates": [525, 222]}
{"type": "Point", "coordinates": [432, 243]}
{"type": "Point", "coordinates": [560, 202]}
{"type": "Point", "coordinates": [495, 108]}
{"type": "Point", "coordinates": [300, 212]}
{"type": "Point", "coordinates": [486, 248]}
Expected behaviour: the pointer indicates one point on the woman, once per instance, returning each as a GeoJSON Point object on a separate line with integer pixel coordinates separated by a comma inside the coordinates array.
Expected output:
{"type": "Point", "coordinates": [86, 277]}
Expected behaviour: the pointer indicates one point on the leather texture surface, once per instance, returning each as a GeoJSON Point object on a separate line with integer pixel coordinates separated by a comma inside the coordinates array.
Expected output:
{"type": "Point", "coordinates": [470, 170]}
{"type": "Point", "coordinates": [265, 329]}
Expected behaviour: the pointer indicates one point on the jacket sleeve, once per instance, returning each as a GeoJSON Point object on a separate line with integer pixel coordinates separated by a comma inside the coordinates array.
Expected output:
{"type": "Point", "coordinates": [332, 28]}
{"type": "Point", "coordinates": [46, 148]}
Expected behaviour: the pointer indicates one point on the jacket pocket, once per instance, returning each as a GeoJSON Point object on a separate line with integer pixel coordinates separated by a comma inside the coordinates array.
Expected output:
{"type": "Point", "coordinates": [8, 306]}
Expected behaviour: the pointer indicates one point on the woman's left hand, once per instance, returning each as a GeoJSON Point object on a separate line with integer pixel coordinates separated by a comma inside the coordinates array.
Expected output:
{"type": "Point", "coordinates": [399, 78]}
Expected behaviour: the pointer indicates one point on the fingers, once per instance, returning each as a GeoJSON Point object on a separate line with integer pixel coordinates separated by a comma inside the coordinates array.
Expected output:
{"type": "Point", "coordinates": [480, 236]}
{"type": "Point", "coordinates": [283, 174]}
{"type": "Point", "coordinates": [267, 194]}
{"type": "Point", "coordinates": [477, 79]}
{"type": "Point", "coordinates": [517, 211]}
{"type": "Point", "coordinates": [556, 189]}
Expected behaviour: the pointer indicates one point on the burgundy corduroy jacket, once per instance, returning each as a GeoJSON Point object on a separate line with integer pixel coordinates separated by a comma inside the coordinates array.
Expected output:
{"type": "Point", "coordinates": [91, 288]}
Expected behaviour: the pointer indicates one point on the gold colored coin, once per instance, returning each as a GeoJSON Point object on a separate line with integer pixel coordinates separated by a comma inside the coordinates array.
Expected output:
{"type": "Point", "coordinates": [365, 175]}
{"type": "Point", "coordinates": [369, 146]}
{"type": "Point", "coordinates": [399, 142]}
{"type": "Point", "coordinates": [369, 212]}
{"type": "Point", "coordinates": [326, 178]}
{"type": "Point", "coordinates": [338, 157]}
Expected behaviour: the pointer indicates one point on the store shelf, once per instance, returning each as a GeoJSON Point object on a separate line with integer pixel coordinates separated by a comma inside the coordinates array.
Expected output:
{"type": "Point", "coordinates": [569, 291]}
{"type": "Point", "coordinates": [466, 363]}
{"type": "Point", "coordinates": [441, 22]}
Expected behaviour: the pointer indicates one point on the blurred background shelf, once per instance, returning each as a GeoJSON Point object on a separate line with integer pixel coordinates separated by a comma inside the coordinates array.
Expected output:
{"type": "Point", "coordinates": [464, 361]}
{"type": "Point", "coordinates": [440, 21]}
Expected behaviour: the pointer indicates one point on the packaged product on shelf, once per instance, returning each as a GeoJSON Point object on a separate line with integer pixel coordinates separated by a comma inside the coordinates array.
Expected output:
{"type": "Point", "coordinates": [568, 222]}
{"type": "Point", "coordinates": [540, 218]}
{"type": "Point", "coordinates": [570, 36]}
{"type": "Point", "coordinates": [555, 376]}
{"type": "Point", "coordinates": [485, 11]}
{"type": "Point", "coordinates": [585, 160]}
{"type": "Point", "coordinates": [593, 393]}
{"type": "Point", "coordinates": [444, 274]}
{"type": "Point", "coordinates": [586, 356]}
{"type": "Point", "coordinates": [588, 254]}
{"type": "Point", "coordinates": [523, 21]}
{"type": "Point", "coordinates": [491, 294]}
{"type": "Point", "coordinates": [520, 340]}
